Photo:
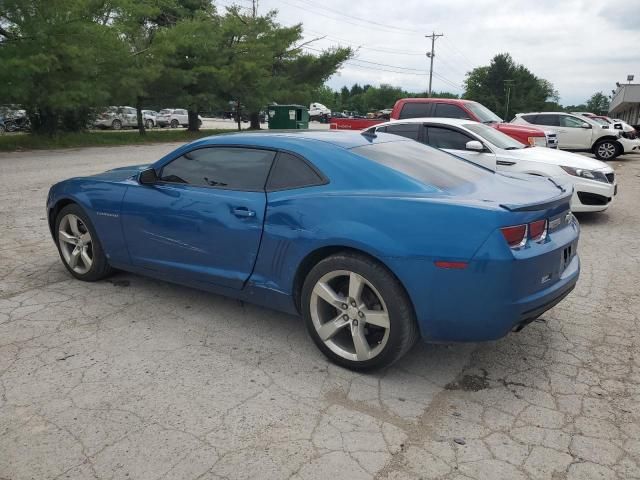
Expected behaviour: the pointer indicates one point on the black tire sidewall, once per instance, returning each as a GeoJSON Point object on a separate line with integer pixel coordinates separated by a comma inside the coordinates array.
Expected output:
{"type": "Point", "coordinates": [100, 266]}
{"type": "Point", "coordinates": [403, 331]}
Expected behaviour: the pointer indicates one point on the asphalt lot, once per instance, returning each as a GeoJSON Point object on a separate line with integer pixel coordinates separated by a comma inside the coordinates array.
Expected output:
{"type": "Point", "coordinates": [139, 379]}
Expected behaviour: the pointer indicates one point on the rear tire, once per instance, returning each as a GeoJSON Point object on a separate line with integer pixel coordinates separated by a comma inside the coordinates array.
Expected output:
{"type": "Point", "coordinates": [79, 246]}
{"type": "Point", "coordinates": [607, 150]}
{"type": "Point", "coordinates": [357, 312]}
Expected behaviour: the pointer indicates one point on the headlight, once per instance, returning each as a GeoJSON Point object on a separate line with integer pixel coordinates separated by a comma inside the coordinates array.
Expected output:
{"type": "Point", "coordinates": [588, 174]}
{"type": "Point", "coordinates": [537, 141]}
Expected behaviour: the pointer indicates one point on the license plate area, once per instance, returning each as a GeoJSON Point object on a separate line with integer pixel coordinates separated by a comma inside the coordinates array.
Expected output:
{"type": "Point", "coordinates": [566, 256]}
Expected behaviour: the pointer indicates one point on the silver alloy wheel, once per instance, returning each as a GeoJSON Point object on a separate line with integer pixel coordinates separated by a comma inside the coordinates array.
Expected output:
{"type": "Point", "coordinates": [75, 243]}
{"type": "Point", "coordinates": [174, 123]}
{"type": "Point", "coordinates": [116, 125]}
{"type": "Point", "coordinates": [606, 150]}
{"type": "Point", "coordinates": [349, 315]}
{"type": "Point", "coordinates": [149, 124]}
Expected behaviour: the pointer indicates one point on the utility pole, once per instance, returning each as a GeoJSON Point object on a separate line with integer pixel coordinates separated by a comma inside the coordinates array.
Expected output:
{"type": "Point", "coordinates": [432, 54]}
{"type": "Point", "coordinates": [507, 86]}
{"type": "Point", "coordinates": [254, 8]}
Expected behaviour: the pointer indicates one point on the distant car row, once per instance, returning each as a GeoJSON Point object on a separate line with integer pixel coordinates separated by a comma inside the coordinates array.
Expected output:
{"type": "Point", "coordinates": [117, 118]}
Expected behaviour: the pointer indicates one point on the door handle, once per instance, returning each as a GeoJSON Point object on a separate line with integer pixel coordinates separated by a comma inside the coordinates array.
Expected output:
{"type": "Point", "coordinates": [243, 212]}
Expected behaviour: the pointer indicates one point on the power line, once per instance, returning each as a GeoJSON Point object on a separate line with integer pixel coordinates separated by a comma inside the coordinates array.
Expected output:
{"type": "Point", "coordinates": [364, 20]}
{"type": "Point", "coordinates": [365, 47]}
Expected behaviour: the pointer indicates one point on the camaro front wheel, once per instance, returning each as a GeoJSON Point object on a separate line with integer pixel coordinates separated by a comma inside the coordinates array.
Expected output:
{"type": "Point", "coordinates": [79, 246]}
{"type": "Point", "coordinates": [357, 312]}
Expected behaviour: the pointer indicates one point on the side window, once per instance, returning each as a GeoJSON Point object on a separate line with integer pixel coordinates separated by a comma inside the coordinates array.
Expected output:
{"type": "Point", "coordinates": [445, 110]}
{"type": "Point", "coordinates": [445, 138]}
{"type": "Point", "coordinates": [415, 110]}
{"type": "Point", "coordinates": [231, 168]}
{"type": "Point", "coordinates": [571, 122]}
{"type": "Point", "coordinates": [290, 171]}
{"type": "Point", "coordinates": [550, 120]}
{"type": "Point", "coordinates": [530, 118]}
{"type": "Point", "coordinates": [181, 112]}
{"type": "Point", "coordinates": [409, 130]}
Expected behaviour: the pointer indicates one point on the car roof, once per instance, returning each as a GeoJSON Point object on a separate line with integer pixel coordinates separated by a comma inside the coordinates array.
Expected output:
{"type": "Point", "coordinates": [442, 120]}
{"type": "Point", "coordinates": [454, 101]}
{"type": "Point", "coordinates": [281, 139]}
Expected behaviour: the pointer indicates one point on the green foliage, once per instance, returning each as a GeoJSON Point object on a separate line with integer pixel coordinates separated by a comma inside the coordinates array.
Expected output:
{"type": "Point", "coordinates": [488, 85]}
{"type": "Point", "coordinates": [598, 103]}
{"type": "Point", "coordinates": [58, 58]}
{"type": "Point", "coordinates": [62, 60]}
{"type": "Point", "coordinates": [367, 98]}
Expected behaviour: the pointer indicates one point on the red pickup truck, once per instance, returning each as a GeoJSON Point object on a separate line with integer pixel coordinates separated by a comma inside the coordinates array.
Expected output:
{"type": "Point", "coordinates": [452, 108]}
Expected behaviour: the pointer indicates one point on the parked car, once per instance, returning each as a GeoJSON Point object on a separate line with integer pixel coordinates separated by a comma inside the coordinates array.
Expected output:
{"type": "Point", "coordinates": [319, 112]}
{"type": "Point", "coordinates": [594, 182]}
{"type": "Point", "coordinates": [414, 243]}
{"type": "Point", "coordinates": [174, 118]}
{"type": "Point", "coordinates": [117, 118]}
{"type": "Point", "coordinates": [150, 118]}
{"type": "Point", "coordinates": [455, 108]}
{"type": "Point", "coordinates": [3, 129]}
{"type": "Point", "coordinates": [16, 121]}
{"type": "Point", "coordinates": [579, 133]}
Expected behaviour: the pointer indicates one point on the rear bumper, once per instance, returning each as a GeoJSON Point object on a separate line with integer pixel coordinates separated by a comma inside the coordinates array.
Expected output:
{"type": "Point", "coordinates": [495, 294]}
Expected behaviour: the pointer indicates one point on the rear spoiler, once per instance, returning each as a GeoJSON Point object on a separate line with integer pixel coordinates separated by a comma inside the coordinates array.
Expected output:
{"type": "Point", "coordinates": [565, 197]}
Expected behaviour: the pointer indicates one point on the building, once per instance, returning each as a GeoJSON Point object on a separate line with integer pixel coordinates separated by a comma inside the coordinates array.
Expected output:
{"type": "Point", "coordinates": [625, 104]}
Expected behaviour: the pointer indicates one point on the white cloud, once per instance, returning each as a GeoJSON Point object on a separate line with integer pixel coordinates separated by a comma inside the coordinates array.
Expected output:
{"type": "Point", "coordinates": [581, 46]}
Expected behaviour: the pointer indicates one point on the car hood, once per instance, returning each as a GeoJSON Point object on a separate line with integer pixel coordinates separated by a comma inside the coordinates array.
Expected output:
{"type": "Point", "coordinates": [120, 174]}
{"type": "Point", "coordinates": [552, 156]}
{"type": "Point", "coordinates": [522, 129]}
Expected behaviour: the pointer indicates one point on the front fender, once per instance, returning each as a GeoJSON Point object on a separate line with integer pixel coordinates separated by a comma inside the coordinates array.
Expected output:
{"type": "Point", "coordinates": [102, 203]}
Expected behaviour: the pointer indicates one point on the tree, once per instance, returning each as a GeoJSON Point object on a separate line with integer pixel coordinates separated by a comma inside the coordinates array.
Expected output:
{"type": "Point", "coordinates": [265, 63]}
{"type": "Point", "coordinates": [598, 103]}
{"type": "Point", "coordinates": [58, 60]}
{"type": "Point", "coordinates": [491, 84]}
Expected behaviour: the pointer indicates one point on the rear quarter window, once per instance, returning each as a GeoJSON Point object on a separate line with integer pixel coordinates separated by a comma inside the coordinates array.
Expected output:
{"type": "Point", "coordinates": [415, 110]}
{"type": "Point", "coordinates": [424, 164]}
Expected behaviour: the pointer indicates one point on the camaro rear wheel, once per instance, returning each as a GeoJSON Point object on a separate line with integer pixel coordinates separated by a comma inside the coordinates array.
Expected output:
{"type": "Point", "coordinates": [79, 246]}
{"type": "Point", "coordinates": [357, 312]}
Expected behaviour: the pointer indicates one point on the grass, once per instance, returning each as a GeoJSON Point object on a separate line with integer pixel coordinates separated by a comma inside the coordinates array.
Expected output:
{"type": "Point", "coordinates": [18, 142]}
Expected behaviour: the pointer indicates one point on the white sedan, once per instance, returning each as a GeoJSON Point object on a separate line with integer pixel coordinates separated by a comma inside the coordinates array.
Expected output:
{"type": "Point", "coordinates": [594, 181]}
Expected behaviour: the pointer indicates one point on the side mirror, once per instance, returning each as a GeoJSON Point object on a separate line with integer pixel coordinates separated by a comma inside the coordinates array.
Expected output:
{"type": "Point", "coordinates": [585, 125]}
{"type": "Point", "coordinates": [474, 146]}
{"type": "Point", "coordinates": [148, 177]}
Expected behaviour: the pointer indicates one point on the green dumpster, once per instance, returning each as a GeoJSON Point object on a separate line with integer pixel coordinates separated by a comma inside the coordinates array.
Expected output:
{"type": "Point", "coordinates": [288, 117]}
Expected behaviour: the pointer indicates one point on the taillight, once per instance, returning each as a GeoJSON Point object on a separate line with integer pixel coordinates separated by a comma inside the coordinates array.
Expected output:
{"type": "Point", "coordinates": [515, 236]}
{"type": "Point", "coordinates": [538, 230]}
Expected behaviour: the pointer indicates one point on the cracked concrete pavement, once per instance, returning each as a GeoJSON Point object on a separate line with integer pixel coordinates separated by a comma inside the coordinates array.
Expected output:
{"type": "Point", "coordinates": [140, 379]}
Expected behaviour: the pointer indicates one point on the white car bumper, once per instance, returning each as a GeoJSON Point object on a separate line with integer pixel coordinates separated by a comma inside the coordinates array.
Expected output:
{"type": "Point", "coordinates": [630, 146]}
{"type": "Point", "coordinates": [593, 195]}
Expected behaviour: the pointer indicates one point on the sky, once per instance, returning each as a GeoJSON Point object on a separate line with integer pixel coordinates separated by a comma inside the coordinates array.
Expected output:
{"type": "Point", "coordinates": [581, 46]}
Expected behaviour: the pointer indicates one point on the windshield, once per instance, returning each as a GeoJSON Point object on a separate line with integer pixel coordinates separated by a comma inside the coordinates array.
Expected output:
{"type": "Point", "coordinates": [494, 136]}
{"type": "Point", "coordinates": [483, 113]}
{"type": "Point", "coordinates": [425, 164]}
{"type": "Point", "coordinates": [601, 121]}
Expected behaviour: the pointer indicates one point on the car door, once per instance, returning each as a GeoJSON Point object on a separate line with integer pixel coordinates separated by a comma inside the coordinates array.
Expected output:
{"type": "Point", "coordinates": [182, 116]}
{"type": "Point", "coordinates": [130, 117]}
{"type": "Point", "coordinates": [574, 135]}
{"type": "Point", "coordinates": [549, 122]}
{"type": "Point", "coordinates": [454, 141]}
{"type": "Point", "coordinates": [203, 219]}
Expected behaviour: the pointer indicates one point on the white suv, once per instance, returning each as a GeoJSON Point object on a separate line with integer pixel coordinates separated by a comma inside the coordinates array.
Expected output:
{"type": "Point", "coordinates": [174, 118]}
{"type": "Point", "coordinates": [581, 134]}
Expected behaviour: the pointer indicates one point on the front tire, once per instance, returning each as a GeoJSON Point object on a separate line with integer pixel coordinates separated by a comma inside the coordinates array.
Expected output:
{"type": "Point", "coordinates": [79, 246]}
{"type": "Point", "coordinates": [175, 123]}
{"type": "Point", "coordinates": [116, 125]}
{"type": "Point", "coordinates": [357, 312]}
{"type": "Point", "coordinates": [149, 124]}
{"type": "Point", "coordinates": [607, 150]}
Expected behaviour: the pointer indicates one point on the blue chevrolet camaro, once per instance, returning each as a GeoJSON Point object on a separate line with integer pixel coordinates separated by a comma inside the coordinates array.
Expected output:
{"type": "Point", "coordinates": [376, 240]}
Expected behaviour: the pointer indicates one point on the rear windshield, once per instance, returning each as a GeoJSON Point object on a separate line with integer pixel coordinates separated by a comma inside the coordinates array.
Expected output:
{"type": "Point", "coordinates": [425, 164]}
